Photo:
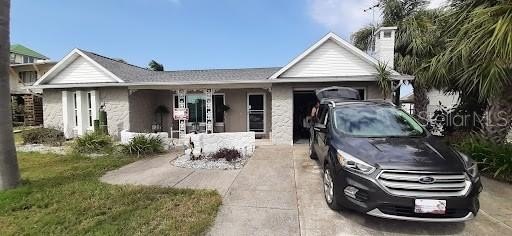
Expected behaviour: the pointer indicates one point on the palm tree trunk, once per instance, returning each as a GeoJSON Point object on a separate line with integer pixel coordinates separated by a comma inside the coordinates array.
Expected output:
{"type": "Point", "coordinates": [9, 172]}
{"type": "Point", "coordinates": [421, 102]}
{"type": "Point", "coordinates": [498, 117]}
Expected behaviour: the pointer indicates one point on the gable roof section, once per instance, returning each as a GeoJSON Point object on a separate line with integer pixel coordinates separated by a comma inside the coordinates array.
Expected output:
{"type": "Point", "coordinates": [330, 56]}
{"type": "Point", "coordinates": [22, 50]}
{"type": "Point", "coordinates": [123, 72]}
{"type": "Point", "coordinates": [135, 74]}
{"type": "Point", "coordinates": [83, 61]}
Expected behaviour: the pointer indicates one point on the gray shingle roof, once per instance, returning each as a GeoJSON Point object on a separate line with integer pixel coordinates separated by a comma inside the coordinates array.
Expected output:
{"type": "Point", "coordinates": [135, 74]}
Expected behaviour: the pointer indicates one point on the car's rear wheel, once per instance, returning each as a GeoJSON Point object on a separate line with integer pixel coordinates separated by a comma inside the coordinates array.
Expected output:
{"type": "Point", "coordinates": [330, 189]}
{"type": "Point", "coordinates": [311, 149]}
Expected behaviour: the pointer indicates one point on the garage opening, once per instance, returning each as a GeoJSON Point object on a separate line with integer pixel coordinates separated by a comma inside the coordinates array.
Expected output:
{"type": "Point", "coordinates": [303, 101]}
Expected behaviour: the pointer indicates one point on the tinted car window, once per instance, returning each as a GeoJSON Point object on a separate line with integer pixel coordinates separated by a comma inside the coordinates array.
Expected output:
{"type": "Point", "coordinates": [322, 112]}
{"type": "Point", "coordinates": [375, 121]}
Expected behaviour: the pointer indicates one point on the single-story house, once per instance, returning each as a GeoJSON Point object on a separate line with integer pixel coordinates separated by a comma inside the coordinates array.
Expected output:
{"type": "Point", "coordinates": [268, 101]}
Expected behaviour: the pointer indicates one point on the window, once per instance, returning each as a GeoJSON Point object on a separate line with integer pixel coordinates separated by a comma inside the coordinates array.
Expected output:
{"type": "Point", "coordinates": [28, 59]}
{"type": "Point", "coordinates": [28, 77]}
{"type": "Point", "coordinates": [387, 34]}
{"type": "Point", "coordinates": [13, 58]}
{"type": "Point", "coordinates": [75, 108]}
{"type": "Point", "coordinates": [89, 109]}
{"type": "Point", "coordinates": [361, 93]}
{"type": "Point", "coordinates": [196, 104]}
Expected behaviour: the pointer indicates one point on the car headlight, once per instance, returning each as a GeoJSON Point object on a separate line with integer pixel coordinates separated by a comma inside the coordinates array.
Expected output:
{"type": "Point", "coordinates": [471, 166]}
{"type": "Point", "coordinates": [350, 162]}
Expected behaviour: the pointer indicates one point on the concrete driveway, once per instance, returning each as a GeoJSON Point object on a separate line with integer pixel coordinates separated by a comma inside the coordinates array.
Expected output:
{"type": "Point", "coordinates": [279, 192]}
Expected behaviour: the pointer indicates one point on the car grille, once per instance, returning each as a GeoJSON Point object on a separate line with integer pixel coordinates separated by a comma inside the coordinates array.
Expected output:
{"type": "Point", "coordinates": [409, 212]}
{"type": "Point", "coordinates": [408, 183]}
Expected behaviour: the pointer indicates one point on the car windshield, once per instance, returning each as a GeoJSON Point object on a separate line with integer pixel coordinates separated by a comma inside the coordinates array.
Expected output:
{"type": "Point", "coordinates": [375, 121]}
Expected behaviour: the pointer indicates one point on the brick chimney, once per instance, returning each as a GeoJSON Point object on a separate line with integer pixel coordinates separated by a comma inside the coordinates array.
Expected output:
{"type": "Point", "coordinates": [385, 45]}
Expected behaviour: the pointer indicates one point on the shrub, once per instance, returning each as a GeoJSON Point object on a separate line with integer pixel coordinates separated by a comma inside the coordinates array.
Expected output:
{"type": "Point", "coordinates": [493, 159]}
{"type": "Point", "coordinates": [43, 136]}
{"type": "Point", "coordinates": [227, 154]}
{"type": "Point", "coordinates": [94, 142]}
{"type": "Point", "coordinates": [142, 145]}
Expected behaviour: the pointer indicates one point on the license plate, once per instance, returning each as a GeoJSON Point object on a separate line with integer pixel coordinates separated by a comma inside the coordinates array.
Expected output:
{"type": "Point", "coordinates": [430, 206]}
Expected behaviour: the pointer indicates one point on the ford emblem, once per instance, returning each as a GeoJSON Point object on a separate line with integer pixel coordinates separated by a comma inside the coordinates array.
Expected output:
{"type": "Point", "coordinates": [427, 180]}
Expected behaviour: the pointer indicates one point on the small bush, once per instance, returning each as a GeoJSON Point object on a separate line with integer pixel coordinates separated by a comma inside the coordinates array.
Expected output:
{"type": "Point", "coordinates": [93, 143]}
{"type": "Point", "coordinates": [43, 136]}
{"type": "Point", "coordinates": [493, 159]}
{"type": "Point", "coordinates": [142, 145]}
{"type": "Point", "coordinates": [227, 154]}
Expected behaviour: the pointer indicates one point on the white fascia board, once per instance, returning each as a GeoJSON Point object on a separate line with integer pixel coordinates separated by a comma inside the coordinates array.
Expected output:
{"type": "Point", "coordinates": [66, 61]}
{"type": "Point", "coordinates": [366, 78]}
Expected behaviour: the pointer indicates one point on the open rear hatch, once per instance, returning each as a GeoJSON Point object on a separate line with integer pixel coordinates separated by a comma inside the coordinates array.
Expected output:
{"type": "Point", "coordinates": [336, 93]}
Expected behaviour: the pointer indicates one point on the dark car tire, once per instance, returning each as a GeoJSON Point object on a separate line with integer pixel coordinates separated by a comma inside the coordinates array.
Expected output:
{"type": "Point", "coordinates": [330, 189]}
{"type": "Point", "coordinates": [311, 149]}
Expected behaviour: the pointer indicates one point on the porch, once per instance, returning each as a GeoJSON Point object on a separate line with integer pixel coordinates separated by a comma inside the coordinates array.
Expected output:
{"type": "Point", "coordinates": [210, 110]}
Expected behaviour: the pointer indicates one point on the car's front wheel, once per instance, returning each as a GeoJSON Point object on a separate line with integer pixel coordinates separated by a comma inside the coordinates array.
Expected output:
{"type": "Point", "coordinates": [330, 189]}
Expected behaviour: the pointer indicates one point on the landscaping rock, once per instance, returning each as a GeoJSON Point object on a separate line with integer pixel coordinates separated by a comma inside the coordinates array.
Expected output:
{"type": "Point", "coordinates": [184, 161]}
{"type": "Point", "coordinates": [42, 149]}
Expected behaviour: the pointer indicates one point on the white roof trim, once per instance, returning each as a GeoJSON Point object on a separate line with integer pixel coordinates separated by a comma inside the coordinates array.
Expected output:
{"type": "Point", "coordinates": [66, 61]}
{"type": "Point", "coordinates": [365, 78]}
{"type": "Point", "coordinates": [337, 39]}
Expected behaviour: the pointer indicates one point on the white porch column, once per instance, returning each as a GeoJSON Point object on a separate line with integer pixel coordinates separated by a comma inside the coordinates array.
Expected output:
{"type": "Point", "coordinates": [209, 110]}
{"type": "Point", "coordinates": [182, 104]}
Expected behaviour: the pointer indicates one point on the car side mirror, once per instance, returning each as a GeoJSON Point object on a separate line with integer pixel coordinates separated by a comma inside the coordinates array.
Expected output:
{"type": "Point", "coordinates": [320, 128]}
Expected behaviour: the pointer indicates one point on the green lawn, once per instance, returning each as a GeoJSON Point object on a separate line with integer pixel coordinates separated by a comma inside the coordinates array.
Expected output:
{"type": "Point", "coordinates": [61, 195]}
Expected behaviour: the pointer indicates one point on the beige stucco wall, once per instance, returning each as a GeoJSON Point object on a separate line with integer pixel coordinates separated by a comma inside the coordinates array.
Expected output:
{"type": "Point", "coordinates": [52, 109]}
{"type": "Point", "coordinates": [143, 104]}
{"type": "Point", "coordinates": [117, 107]}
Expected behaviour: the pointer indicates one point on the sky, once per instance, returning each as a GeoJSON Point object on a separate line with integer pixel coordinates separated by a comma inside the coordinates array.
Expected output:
{"type": "Point", "coordinates": [186, 34]}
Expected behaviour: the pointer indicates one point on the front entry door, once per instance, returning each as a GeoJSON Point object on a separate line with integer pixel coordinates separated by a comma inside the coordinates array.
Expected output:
{"type": "Point", "coordinates": [256, 112]}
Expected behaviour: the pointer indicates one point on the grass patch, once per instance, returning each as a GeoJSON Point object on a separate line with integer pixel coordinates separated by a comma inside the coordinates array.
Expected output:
{"type": "Point", "coordinates": [62, 195]}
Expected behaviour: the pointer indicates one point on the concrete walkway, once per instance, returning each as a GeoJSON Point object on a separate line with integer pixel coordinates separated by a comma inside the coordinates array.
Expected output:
{"type": "Point", "coordinates": [158, 171]}
{"type": "Point", "coordinates": [279, 192]}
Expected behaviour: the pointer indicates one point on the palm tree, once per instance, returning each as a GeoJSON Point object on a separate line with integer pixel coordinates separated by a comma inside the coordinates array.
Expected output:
{"type": "Point", "coordinates": [153, 65]}
{"type": "Point", "coordinates": [478, 59]}
{"type": "Point", "coordinates": [9, 172]}
{"type": "Point", "coordinates": [416, 41]}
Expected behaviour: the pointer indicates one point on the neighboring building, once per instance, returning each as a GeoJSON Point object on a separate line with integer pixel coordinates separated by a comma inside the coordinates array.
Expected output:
{"type": "Point", "coordinates": [437, 99]}
{"type": "Point", "coordinates": [23, 55]}
{"type": "Point", "coordinates": [27, 66]}
{"type": "Point", "coordinates": [269, 101]}
{"type": "Point", "coordinates": [407, 103]}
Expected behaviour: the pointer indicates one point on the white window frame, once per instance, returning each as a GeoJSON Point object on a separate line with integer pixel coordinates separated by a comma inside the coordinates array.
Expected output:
{"type": "Point", "coordinates": [264, 111]}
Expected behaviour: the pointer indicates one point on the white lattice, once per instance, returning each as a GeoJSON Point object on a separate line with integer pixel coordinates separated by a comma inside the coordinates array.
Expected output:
{"type": "Point", "coordinates": [182, 104]}
{"type": "Point", "coordinates": [209, 110]}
